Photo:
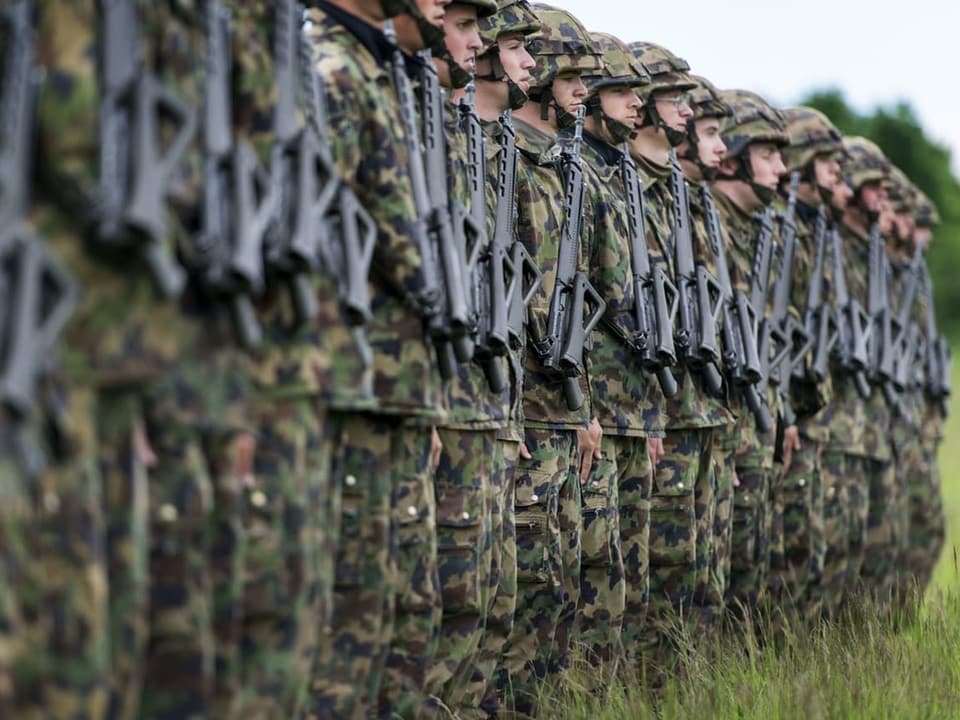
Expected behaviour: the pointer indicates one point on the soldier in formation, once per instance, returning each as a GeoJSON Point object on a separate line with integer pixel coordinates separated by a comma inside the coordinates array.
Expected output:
{"type": "Point", "coordinates": [379, 358]}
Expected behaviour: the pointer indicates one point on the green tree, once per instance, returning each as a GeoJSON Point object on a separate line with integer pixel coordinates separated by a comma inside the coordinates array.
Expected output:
{"type": "Point", "coordinates": [926, 162]}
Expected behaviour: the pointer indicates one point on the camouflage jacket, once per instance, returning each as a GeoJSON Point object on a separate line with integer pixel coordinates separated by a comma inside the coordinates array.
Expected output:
{"type": "Point", "coordinates": [322, 358]}
{"type": "Point", "coordinates": [469, 402]}
{"type": "Point", "coordinates": [513, 395]}
{"type": "Point", "coordinates": [121, 333]}
{"type": "Point", "coordinates": [540, 205]}
{"type": "Point", "coordinates": [367, 133]}
{"type": "Point", "coordinates": [622, 400]}
{"type": "Point", "coordinates": [756, 449]}
{"type": "Point", "coordinates": [875, 417]}
{"type": "Point", "coordinates": [692, 406]}
{"type": "Point", "coordinates": [905, 429]}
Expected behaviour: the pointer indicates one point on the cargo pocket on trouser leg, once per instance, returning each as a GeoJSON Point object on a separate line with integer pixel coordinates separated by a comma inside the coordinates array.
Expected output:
{"type": "Point", "coordinates": [460, 508]}
{"type": "Point", "coordinates": [673, 531]}
{"type": "Point", "coordinates": [749, 543]}
{"type": "Point", "coordinates": [538, 535]}
{"type": "Point", "coordinates": [597, 545]}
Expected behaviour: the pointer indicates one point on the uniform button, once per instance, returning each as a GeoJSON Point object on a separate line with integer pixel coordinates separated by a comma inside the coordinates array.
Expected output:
{"type": "Point", "coordinates": [534, 498]}
{"type": "Point", "coordinates": [801, 482]}
{"type": "Point", "coordinates": [350, 480]}
{"type": "Point", "coordinates": [831, 492]}
{"type": "Point", "coordinates": [51, 502]}
{"type": "Point", "coordinates": [746, 498]}
{"type": "Point", "coordinates": [412, 511]}
{"type": "Point", "coordinates": [465, 516]}
{"type": "Point", "coordinates": [679, 486]}
{"type": "Point", "coordinates": [168, 513]}
{"type": "Point", "coordinates": [258, 499]}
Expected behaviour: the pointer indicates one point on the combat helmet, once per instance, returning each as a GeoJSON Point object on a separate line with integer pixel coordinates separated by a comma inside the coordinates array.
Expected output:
{"type": "Point", "coordinates": [620, 69]}
{"type": "Point", "coordinates": [811, 134]}
{"type": "Point", "coordinates": [513, 16]}
{"type": "Point", "coordinates": [863, 163]}
{"type": "Point", "coordinates": [705, 101]}
{"type": "Point", "coordinates": [752, 120]}
{"type": "Point", "coordinates": [667, 72]}
{"type": "Point", "coordinates": [561, 44]}
{"type": "Point", "coordinates": [459, 76]}
{"type": "Point", "coordinates": [901, 192]}
{"type": "Point", "coordinates": [927, 215]}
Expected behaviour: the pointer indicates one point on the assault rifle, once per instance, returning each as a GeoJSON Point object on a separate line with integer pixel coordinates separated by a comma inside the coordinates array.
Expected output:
{"type": "Point", "coordinates": [561, 349]}
{"type": "Point", "coordinates": [700, 297]}
{"type": "Point", "coordinates": [818, 316]}
{"type": "Point", "coordinates": [908, 339]}
{"type": "Point", "coordinates": [135, 170]}
{"type": "Point", "coordinates": [37, 296]}
{"type": "Point", "coordinates": [853, 324]}
{"type": "Point", "coordinates": [487, 268]}
{"type": "Point", "coordinates": [318, 223]}
{"type": "Point", "coordinates": [525, 276]}
{"type": "Point", "coordinates": [939, 359]}
{"type": "Point", "coordinates": [759, 292]}
{"type": "Point", "coordinates": [880, 343]}
{"type": "Point", "coordinates": [655, 297]}
{"type": "Point", "coordinates": [738, 322]}
{"type": "Point", "coordinates": [236, 203]}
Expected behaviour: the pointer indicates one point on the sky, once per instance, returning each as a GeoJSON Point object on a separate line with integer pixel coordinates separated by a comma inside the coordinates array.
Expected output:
{"type": "Point", "coordinates": [877, 53]}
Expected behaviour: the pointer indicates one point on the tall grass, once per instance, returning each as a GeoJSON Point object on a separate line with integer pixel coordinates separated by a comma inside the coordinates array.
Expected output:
{"type": "Point", "coordinates": [865, 667]}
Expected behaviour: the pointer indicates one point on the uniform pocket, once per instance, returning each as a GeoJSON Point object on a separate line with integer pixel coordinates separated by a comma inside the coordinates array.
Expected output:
{"type": "Point", "coordinates": [673, 531]}
{"type": "Point", "coordinates": [536, 526]}
{"type": "Point", "coordinates": [597, 539]}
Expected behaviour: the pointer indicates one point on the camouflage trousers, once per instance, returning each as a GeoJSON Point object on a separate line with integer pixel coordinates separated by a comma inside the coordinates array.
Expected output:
{"type": "Point", "coordinates": [548, 515]}
{"type": "Point", "coordinates": [479, 697]}
{"type": "Point", "coordinates": [750, 540]}
{"type": "Point", "coordinates": [884, 531]}
{"type": "Point", "coordinates": [926, 523]}
{"type": "Point", "coordinates": [714, 593]}
{"type": "Point", "coordinates": [799, 568]}
{"type": "Point", "coordinates": [681, 529]}
{"type": "Point", "coordinates": [858, 508]}
{"type": "Point", "coordinates": [634, 482]}
{"type": "Point", "coordinates": [836, 525]}
{"type": "Point", "coordinates": [54, 612]}
{"type": "Point", "coordinates": [350, 662]}
{"type": "Point", "coordinates": [602, 583]}
{"type": "Point", "coordinates": [285, 512]}
{"type": "Point", "coordinates": [415, 614]}
{"type": "Point", "coordinates": [464, 477]}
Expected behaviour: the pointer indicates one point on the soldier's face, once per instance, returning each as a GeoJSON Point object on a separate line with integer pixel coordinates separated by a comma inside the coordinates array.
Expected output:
{"type": "Point", "coordinates": [433, 10]}
{"type": "Point", "coordinates": [516, 61]}
{"type": "Point", "coordinates": [826, 171]}
{"type": "Point", "coordinates": [903, 226]}
{"type": "Point", "coordinates": [842, 195]}
{"type": "Point", "coordinates": [621, 103]}
{"type": "Point", "coordinates": [873, 196]}
{"type": "Point", "coordinates": [462, 36]}
{"type": "Point", "coordinates": [922, 237]}
{"type": "Point", "coordinates": [710, 145]}
{"type": "Point", "coordinates": [673, 106]}
{"type": "Point", "coordinates": [569, 91]}
{"type": "Point", "coordinates": [766, 164]}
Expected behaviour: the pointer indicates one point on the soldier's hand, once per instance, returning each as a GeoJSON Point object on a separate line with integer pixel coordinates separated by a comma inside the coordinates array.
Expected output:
{"type": "Point", "coordinates": [791, 442]}
{"type": "Point", "coordinates": [436, 447]}
{"type": "Point", "coordinates": [244, 450]}
{"type": "Point", "coordinates": [655, 451]}
{"type": "Point", "coordinates": [589, 448]}
{"type": "Point", "coordinates": [524, 452]}
{"type": "Point", "coordinates": [736, 479]}
{"type": "Point", "coordinates": [141, 445]}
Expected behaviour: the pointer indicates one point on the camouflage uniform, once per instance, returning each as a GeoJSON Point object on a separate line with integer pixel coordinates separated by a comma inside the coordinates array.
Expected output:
{"type": "Point", "coordinates": [547, 494]}
{"type": "Point", "coordinates": [873, 496]}
{"type": "Point", "coordinates": [479, 696]}
{"type": "Point", "coordinates": [683, 500]}
{"type": "Point", "coordinates": [383, 459]}
{"type": "Point", "coordinates": [619, 387]}
{"type": "Point", "coordinates": [753, 120]}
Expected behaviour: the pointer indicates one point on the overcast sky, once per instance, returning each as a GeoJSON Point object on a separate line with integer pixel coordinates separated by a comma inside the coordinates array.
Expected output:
{"type": "Point", "coordinates": [875, 52]}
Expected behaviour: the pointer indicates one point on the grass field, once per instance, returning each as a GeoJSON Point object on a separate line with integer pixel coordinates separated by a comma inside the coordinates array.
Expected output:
{"type": "Point", "coordinates": [866, 668]}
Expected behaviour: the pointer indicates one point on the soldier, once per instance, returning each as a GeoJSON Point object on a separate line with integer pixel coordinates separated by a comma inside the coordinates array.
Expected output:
{"type": "Point", "coordinates": [470, 460]}
{"type": "Point", "coordinates": [561, 448]}
{"type": "Point", "coordinates": [502, 79]}
{"type": "Point", "coordinates": [387, 454]}
{"type": "Point", "coordinates": [927, 523]}
{"type": "Point", "coordinates": [700, 155]}
{"type": "Point", "coordinates": [746, 185]}
{"type": "Point", "coordinates": [682, 505]}
{"type": "Point", "coordinates": [872, 474]}
{"type": "Point", "coordinates": [618, 384]}
{"type": "Point", "coordinates": [810, 494]}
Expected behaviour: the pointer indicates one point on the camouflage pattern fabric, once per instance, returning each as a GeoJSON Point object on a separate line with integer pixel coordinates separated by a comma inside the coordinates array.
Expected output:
{"type": "Point", "coordinates": [417, 607]}
{"type": "Point", "coordinates": [927, 527]}
{"type": "Point", "coordinates": [544, 549]}
{"type": "Point", "coordinates": [836, 523]}
{"type": "Point", "coordinates": [856, 476]}
{"type": "Point", "coordinates": [883, 525]}
{"type": "Point", "coordinates": [724, 448]}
